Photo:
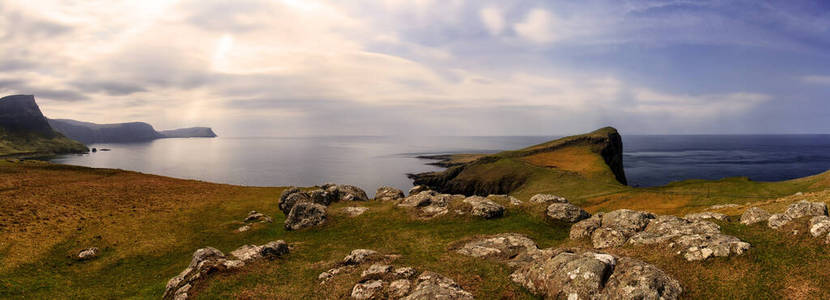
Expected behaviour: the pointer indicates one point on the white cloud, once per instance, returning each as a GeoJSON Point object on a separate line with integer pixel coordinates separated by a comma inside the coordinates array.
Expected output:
{"type": "Point", "coordinates": [538, 26]}
{"type": "Point", "coordinates": [816, 79]}
{"type": "Point", "coordinates": [493, 19]}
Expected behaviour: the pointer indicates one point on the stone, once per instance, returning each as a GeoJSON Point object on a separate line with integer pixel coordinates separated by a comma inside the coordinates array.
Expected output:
{"type": "Point", "coordinates": [367, 290]}
{"type": "Point", "coordinates": [806, 209]}
{"type": "Point", "coordinates": [359, 256]}
{"type": "Point", "coordinates": [243, 228]}
{"type": "Point", "coordinates": [819, 226]}
{"type": "Point", "coordinates": [322, 197]}
{"type": "Point", "coordinates": [399, 288]}
{"type": "Point", "coordinates": [291, 200]}
{"type": "Point", "coordinates": [347, 192]}
{"type": "Point", "coordinates": [246, 253]}
{"type": "Point", "coordinates": [354, 211]}
{"type": "Point", "coordinates": [545, 198]}
{"type": "Point", "coordinates": [417, 189]}
{"type": "Point", "coordinates": [754, 215]}
{"type": "Point", "coordinates": [284, 205]}
{"type": "Point", "coordinates": [87, 254]}
{"type": "Point", "coordinates": [423, 198]}
{"type": "Point", "coordinates": [695, 247]}
{"type": "Point", "coordinates": [431, 285]}
{"type": "Point", "coordinates": [404, 273]}
{"type": "Point", "coordinates": [388, 193]}
{"type": "Point", "coordinates": [254, 216]}
{"type": "Point", "coordinates": [627, 221]}
{"type": "Point", "coordinates": [566, 212]}
{"type": "Point", "coordinates": [304, 215]}
{"type": "Point", "coordinates": [484, 208]}
{"type": "Point", "coordinates": [706, 215]}
{"type": "Point", "coordinates": [777, 221]}
{"type": "Point", "coordinates": [205, 261]}
{"type": "Point", "coordinates": [376, 271]}
{"type": "Point", "coordinates": [585, 228]}
{"type": "Point", "coordinates": [634, 279]}
{"type": "Point", "coordinates": [504, 199]}
{"type": "Point", "coordinates": [512, 247]}
{"type": "Point", "coordinates": [606, 237]}
{"type": "Point", "coordinates": [722, 206]}
{"type": "Point", "coordinates": [274, 249]}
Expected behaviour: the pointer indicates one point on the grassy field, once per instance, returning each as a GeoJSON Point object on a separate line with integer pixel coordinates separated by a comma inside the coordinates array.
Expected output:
{"type": "Point", "coordinates": [34, 145]}
{"type": "Point", "coordinates": [148, 226]}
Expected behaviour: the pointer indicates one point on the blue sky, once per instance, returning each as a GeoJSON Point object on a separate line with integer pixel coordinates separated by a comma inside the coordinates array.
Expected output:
{"type": "Point", "coordinates": [425, 67]}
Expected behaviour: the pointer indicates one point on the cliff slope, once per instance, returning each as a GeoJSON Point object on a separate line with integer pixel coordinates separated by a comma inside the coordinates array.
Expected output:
{"type": "Point", "coordinates": [188, 132]}
{"type": "Point", "coordinates": [25, 131]}
{"type": "Point", "coordinates": [90, 133]}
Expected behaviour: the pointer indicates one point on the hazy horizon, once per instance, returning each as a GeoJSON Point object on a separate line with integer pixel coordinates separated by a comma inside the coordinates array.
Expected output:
{"type": "Point", "coordinates": [425, 68]}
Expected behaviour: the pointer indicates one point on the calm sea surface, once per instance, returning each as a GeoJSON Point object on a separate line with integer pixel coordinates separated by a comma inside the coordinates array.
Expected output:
{"type": "Point", "coordinates": [370, 162]}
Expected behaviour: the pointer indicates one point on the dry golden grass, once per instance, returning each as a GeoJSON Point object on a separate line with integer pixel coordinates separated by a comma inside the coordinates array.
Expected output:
{"type": "Point", "coordinates": [580, 160]}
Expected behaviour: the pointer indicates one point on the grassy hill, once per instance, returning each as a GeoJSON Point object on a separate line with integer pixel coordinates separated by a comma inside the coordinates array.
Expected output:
{"type": "Point", "coordinates": [148, 226]}
{"type": "Point", "coordinates": [33, 145]}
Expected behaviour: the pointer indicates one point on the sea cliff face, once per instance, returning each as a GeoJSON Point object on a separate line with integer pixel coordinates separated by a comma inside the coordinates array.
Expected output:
{"type": "Point", "coordinates": [25, 132]}
{"type": "Point", "coordinates": [20, 114]}
{"type": "Point", "coordinates": [90, 133]}
{"type": "Point", "coordinates": [189, 132]}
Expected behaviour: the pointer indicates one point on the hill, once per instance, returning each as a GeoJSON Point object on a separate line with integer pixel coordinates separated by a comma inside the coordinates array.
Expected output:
{"type": "Point", "coordinates": [90, 133]}
{"type": "Point", "coordinates": [24, 131]}
{"type": "Point", "coordinates": [189, 132]}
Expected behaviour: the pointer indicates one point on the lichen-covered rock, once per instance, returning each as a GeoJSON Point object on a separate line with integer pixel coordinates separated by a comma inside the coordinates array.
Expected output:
{"type": "Point", "coordinates": [819, 226]}
{"type": "Point", "coordinates": [695, 247]}
{"type": "Point", "coordinates": [754, 215]}
{"type": "Point", "coordinates": [87, 254]}
{"type": "Point", "coordinates": [290, 198]}
{"type": "Point", "coordinates": [359, 256]}
{"type": "Point", "coordinates": [205, 261]}
{"type": "Point", "coordinates": [806, 209]}
{"type": "Point", "coordinates": [512, 247]}
{"type": "Point", "coordinates": [431, 285]}
{"type": "Point", "coordinates": [777, 221]}
{"type": "Point", "coordinates": [388, 193]}
{"type": "Point", "coordinates": [254, 216]}
{"type": "Point", "coordinates": [566, 212]}
{"type": "Point", "coordinates": [585, 228]}
{"type": "Point", "coordinates": [545, 198]}
{"type": "Point", "coordinates": [627, 221]}
{"type": "Point", "coordinates": [354, 211]}
{"type": "Point", "coordinates": [505, 199]}
{"type": "Point", "coordinates": [481, 207]}
{"type": "Point", "coordinates": [322, 197]}
{"type": "Point", "coordinates": [376, 271]}
{"type": "Point", "coordinates": [705, 216]}
{"type": "Point", "coordinates": [606, 237]}
{"type": "Point", "coordinates": [429, 204]}
{"type": "Point", "coordinates": [404, 273]}
{"type": "Point", "coordinates": [271, 250]}
{"type": "Point", "coordinates": [634, 279]}
{"type": "Point", "coordinates": [304, 215]}
{"type": "Point", "coordinates": [423, 198]}
{"type": "Point", "coordinates": [399, 288]}
{"type": "Point", "coordinates": [417, 189]}
{"type": "Point", "coordinates": [347, 192]}
{"type": "Point", "coordinates": [368, 290]}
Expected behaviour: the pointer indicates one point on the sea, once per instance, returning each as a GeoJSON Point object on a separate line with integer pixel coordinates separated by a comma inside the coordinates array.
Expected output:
{"type": "Point", "coordinates": [372, 161]}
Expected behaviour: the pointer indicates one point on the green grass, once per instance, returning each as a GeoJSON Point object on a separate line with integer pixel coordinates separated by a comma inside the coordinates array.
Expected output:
{"type": "Point", "coordinates": [37, 145]}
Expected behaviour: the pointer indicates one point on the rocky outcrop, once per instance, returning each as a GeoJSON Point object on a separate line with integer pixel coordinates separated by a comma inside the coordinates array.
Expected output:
{"type": "Point", "coordinates": [191, 132]}
{"type": "Point", "coordinates": [430, 204]}
{"type": "Point", "coordinates": [512, 248]}
{"type": "Point", "coordinates": [417, 189]}
{"type": "Point", "coordinates": [208, 261]}
{"type": "Point", "coordinates": [545, 198]}
{"type": "Point", "coordinates": [90, 133]}
{"type": "Point", "coordinates": [345, 192]}
{"type": "Point", "coordinates": [694, 240]}
{"type": "Point", "coordinates": [754, 215]}
{"type": "Point", "coordinates": [797, 210]}
{"type": "Point", "coordinates": [304, 215]}
{"type": "Point", "coordinates": [388, 193]}
{"type": "Point", "coordinates": [87, 254]}
{"type": "Point", "coordinates": [485, 208]}
{"type": "Point", "coordinates": [566, 212]}
{"type": "Point", "coordinates": [354, 211]}
{"type": "Point", "coordinates": [818, 226]}
{"type": "Point", "coordinates": [706, 216]}
{"type": "Point", "coordinates": [253, 218]}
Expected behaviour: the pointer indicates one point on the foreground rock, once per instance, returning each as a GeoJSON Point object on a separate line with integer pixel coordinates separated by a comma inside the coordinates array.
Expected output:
{"type": "Point", "coordinates": [754, 215]}
{"type": "Point", "coordinates": [254, 216]}
{"type": "Point", "coordinates": [208, 261]}
{"type": "Point", "coordinates": [795, 211]}
{"type": "Point", "coordinates": [818, 225]}
{"type": "Point", "coordinates": [354, 211]}
{"type": "Point", "coordinates": [512, 248]}
{"type": "Point", "coordinates": [485, 208]}
{"type": "Point", "coordinates": [388, 193]}
{"type": "Point", "coordinates": [694, 240]}
{"type": "Point", "coordinates": [430, 204]}
{"type": "Point", "coordinates": [706, 216]}
{"type": "Point", "coordinates": [545, 198]}
{"type": "Point", "coordinates": [304, 215]}
{"type": "Point", "coordinates": [325, 195]}
{"type": "Point", "coordinates": [566, 212]}
{"type": "Point", "coordinates": [87, 254]}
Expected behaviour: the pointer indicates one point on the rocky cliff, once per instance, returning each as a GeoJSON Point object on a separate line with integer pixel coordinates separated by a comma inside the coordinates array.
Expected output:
{"type": "Point", "coordinates": [189, 132]}
{"type": "Point", "coordinates": [24, 131]}
{"type": "Point", "coordinates": [90, 133]}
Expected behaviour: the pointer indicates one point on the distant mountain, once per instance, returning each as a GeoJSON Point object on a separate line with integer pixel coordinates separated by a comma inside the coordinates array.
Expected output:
{"type": "Point", "coordinates": [24, 131]}
{"type": "Point", "coordinates": [90, 133]}
{"type": "Point", "coordinates": [189, 132]}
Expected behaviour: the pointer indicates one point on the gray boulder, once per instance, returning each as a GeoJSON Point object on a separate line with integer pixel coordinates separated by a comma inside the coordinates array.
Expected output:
{"type": "Point", "coordinates": [606, 237]}
{"type": "Point", "coordinates": [87, 254]}
{"type": "Point", "coordinates": [634, 279]}
{"type": "Point", "coordinates": [754, 215]}
{"type": "Point", "coordinates": [776, 221]}
{"type": "Point", "coordinates": [417, 189]}
{"type": "Point", "coordinates": [706, 216]}
{"type": "Point", "coordinates": [627, 221]}
{"type": "Point", "coordinates": [806, 209]}
{"type": "Point", "coordinates": [388, 193]}
{"type": "Point", "coordinates": [431, 285]}
{"type": "Point", "coordinates": [347, 192]}
{"type": "Point", "coordinates": [512, 247]}
{"type": "Point", "coordinates": [484, 208]}
{"type": "Point", "coordinates": [359, 256]}
{"type": "Point", "coordinates": [371, 289]}
{"type": "Point", "coordinates": [585, 228]}
{"type": "Point", "coordinates": [289, 200]}
{"type": "Point", "coordinates": [376, 271]}
{"type": "Point", "coordinates": [566, 212]}
{"type": "Point", "coordinates": [819, 226]}
{"type": "Point", "coordinates": [545, 198]}
{"type": "Point", "coordinates": [254, 216]}
{"type": "Point", "coordinates": [304, 215]}
{"type": "Point", "coordinates": [322, 197]}
{"type": "Point", "coordinates": [205, 261]}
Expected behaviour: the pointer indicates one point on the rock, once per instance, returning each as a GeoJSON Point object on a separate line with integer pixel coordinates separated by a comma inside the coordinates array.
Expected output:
{"type": "Point", "coordinates": [359, 256]}
{"type": "Point", "coordinates": [367, 290]}
{"type": "Point", "coordinates": [431, 285]}
{"type": "Point", "coordinates": [819, 225]}
{"type": "Point", "coordinates": [404, 273]}
{"type": "Point", "coordinates": [722, 206]}
{"type": "Point", "coordinates": [806, 209]}
{"type": "Point", "coordinates": [417, 189]}
{"type": "Point", "coordinates": [399, 288]}
{"type": "Point", "coordinates": [627, 221]}
{"type": "Point", "coordinates": [87, 254]}
{"type": "Point", "coordinates": [243, 228]}
{"type": "Point", "coordinates": [246, 253]}
{"type": "Point", "coordinates": [354, 211]}
{"type": "Point", "coordinates": [754, 215]}
{"type": "Point", "coordinates": [255, 216]}
{"type": "Point", "coordinates": [697, 247]}
{"type": "Point", "coordinates": [484, 208]}
{"type": "Point", "coordinates": [292, 199]}
{"type": "Point", "coordinates": [585, 228]}
{"type": "Point", "coordinates": [376, 271]}
{"type": "Point", "coordinates": [325, 276]}
{"type": "Point", "coordinates": [274, 249]}
{"type": "Point", "coordinates": [777, 221]}
{"type": "Point", "coordinates": [205, 261]}
{"type": "Point", "coordinates": [322, 197]}
{"type": "Point", "coordinates": [566, 212]}
{"type": "Point", "coordinates": [430, 204]}
{"type": "Point", "coordinates": [304, 215]}
{"type": "Point", "coordinates": [706, 216]}
{"type": "Point", "coordinates": [388, 193]}
{"type": "Point", "coordinates": [423, 198]}
{"type": "Point", "coordinates": [545, 198]}
{"type": "Point", "coordinates": [512, 247]}
{"type": "Point", "coordinates": [606, 237]}
{"type": "Point", "coordinates": [634, 279]}
{"type": "Point", "coordinates": [347, 192]}
{"type": "Point", "coordinates": [505, 199]}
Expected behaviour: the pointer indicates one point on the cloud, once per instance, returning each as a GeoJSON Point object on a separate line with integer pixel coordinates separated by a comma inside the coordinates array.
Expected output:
{"type": "Point", "coordinates": [816, 79]}
{"type": "Point", "coordinates": [538, 26]}
{"type": "Point", "coordinates": [493, 19]}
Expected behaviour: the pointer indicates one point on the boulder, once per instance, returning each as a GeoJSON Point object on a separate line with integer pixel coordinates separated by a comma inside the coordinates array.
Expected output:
{"type": "Point", "coordinates": [371, 289]}
{"type": "Point", "coordinates": [354, 211]}
{"type": "Point", "coordinates": [399, 288]}
{"type": "Point", "coordinates": [695, 247]}
{"type": "Point", "coordinates": [777, 221]}
{"type": "Point", "coordinates": [417, 189]}
{"type": "Point", "coordinates": [627, 221]}
{"type": "Point", "coordinates": [431, 285]}
{"type": "Point", "coordinates": [484, 208]}
{"type": "Point", "coordinates": [806, 209]}
{"type": "Point", "coordinates": [819, 226]}
{"type": "Point", "coordinates": [606, 237]}
{"type": "Point", "coordinates": [359, 256]}
{"type": "Point", "coordinates": [404, 273]}
{"type": "Point", "coordinates": [505, 199]}
{"type": "Point", "coordinates": [566, 212]}
{"type": "Point", "coordinates": [376, 271]}
{"type": "Point", "coordinates": [347, 192]}
{"type": "Point", "coordinates": [706, 216]}
{"type": "Point", "coordinates": [254, 216]}
{"type": "Point", "coordinates": [585, 228]}
{"type": "Point", "coordinates": [287, 203]}
{"type": "Point", "coordinates": [430, 204]}
{"type": "Point", "coordinates": [271, 250]}
{"type": "Point", "coordinates": [545, 198]}
{"type": "Point", "coordinates": [87, 254]}
{"type": "Point", "coordinates": [754, 215]}
{"type": "Point", "coordinates": [634, 279]}
{"type": "Point", "coordinates": [512, 247]}
{"type": "Point", "coordinates": [205, 261]}
{"type": "Point", "coordinates": [322, 197]}
{"type": "Point", "coordinates": [304, 215]}
{"type": "Point", "coordinates": [423, 198]}
{"type": "Point", "coordinates": [388, 193]}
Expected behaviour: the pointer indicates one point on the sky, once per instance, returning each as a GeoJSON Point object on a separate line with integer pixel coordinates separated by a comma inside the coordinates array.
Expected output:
{"type": "Point", "coordinates": [424, 67]}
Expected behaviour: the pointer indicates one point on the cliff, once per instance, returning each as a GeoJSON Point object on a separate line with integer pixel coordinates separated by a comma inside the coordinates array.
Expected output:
{"type": "Point", "coordinates": [596, 156]}
{"type": "Point", "coordinates": [24, 131]}
{"type": "Point", "coordinates": [189, 132]}
{"type": "Point", "coordinates": [90, 133]}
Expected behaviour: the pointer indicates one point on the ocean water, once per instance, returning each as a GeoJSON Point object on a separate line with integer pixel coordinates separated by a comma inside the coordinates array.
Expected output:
{"type": "Point", "coordinates": [370, 162]}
